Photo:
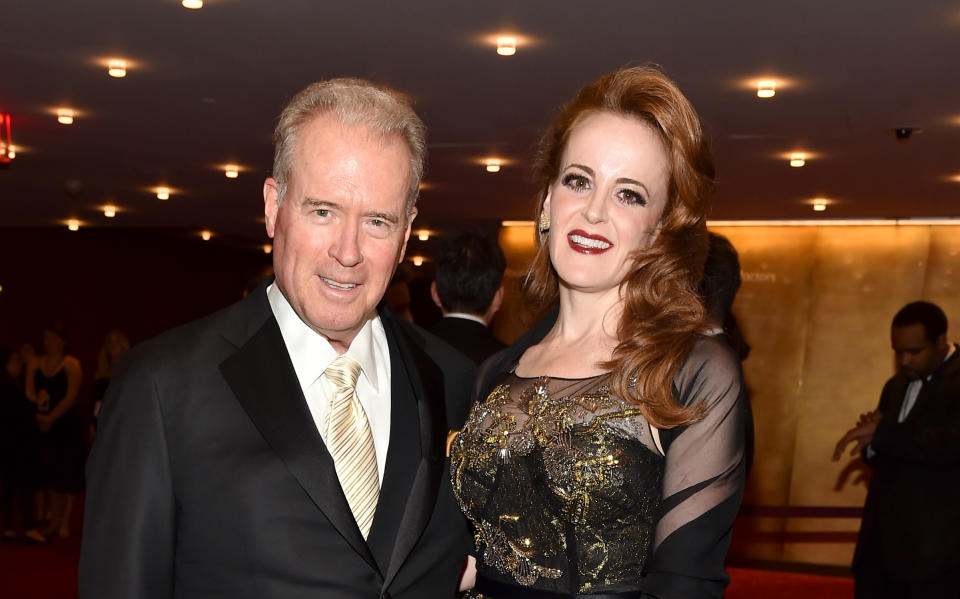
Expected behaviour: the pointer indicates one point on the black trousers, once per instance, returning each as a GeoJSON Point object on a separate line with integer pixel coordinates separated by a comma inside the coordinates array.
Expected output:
{"type": "Point", "coordinates": [873, 584]}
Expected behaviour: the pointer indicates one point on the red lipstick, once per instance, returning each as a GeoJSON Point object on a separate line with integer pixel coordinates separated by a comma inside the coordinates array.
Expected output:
{"type": "Point", "coordinates": [587, 243]}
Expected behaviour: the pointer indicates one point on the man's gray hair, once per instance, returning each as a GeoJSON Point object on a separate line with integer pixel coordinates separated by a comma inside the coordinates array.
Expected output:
{"type": "Point", "coordinates": [355, 102]}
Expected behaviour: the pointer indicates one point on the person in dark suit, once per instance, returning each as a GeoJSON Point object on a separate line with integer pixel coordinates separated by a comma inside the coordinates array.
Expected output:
{"type": "Point", "coordinates": [468, 289]}
{"type": "Point", "coordinates": [292, 445]}
{"type": "Point", "coordinates": [718, 287]}
{"type": "Point", "coordinates": [908, 544]}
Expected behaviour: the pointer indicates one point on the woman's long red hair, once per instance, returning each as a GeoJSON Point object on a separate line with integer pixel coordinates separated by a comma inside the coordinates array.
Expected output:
{"type": "Point", "coordinates": [661, 308]}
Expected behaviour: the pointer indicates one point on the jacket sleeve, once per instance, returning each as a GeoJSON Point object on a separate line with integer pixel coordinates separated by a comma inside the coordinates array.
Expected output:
{"type": "Point", "coordinates": [130, 517]}
{"type": "Point", "coordinates": [931, 440]}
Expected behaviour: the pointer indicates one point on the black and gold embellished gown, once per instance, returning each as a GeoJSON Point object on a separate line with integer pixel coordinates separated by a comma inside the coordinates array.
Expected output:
{"type": "Point", "coordinates": [569, 491]}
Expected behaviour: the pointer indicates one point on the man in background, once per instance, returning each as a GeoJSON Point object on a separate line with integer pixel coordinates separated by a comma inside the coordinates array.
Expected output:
{"type": "Point", "coordinates": [909, 546]}
{"type": "Point", "coordinates": [469, 290]}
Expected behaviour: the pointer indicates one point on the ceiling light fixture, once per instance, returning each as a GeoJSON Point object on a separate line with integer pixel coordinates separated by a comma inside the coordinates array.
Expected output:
{"type": "Point", "coordinates": [267, 248]}
{"type": "Point", "coordinates": [798, 159]}
{"type": "Point", "coordinates": [417, 260]}
{"type": "Point", "coordinates": [65, 116]}
{"type": "Point", "coordinates": [117, 68]}
{"type": "Point", "coordinates": [206, 235]}
{"type": "Point", "coordinates": [192, 4]}
{"type": "Point", "coordinates": [109, 210]}
{"type": "Point", "coordinates": [493, 165]}
{"type": "Point", "coordinates": [766, 88]}
{"type": "Point", "coordinates": [423, 235]}
{"type": "Point", "coordinates": [506, 46]}
{"type": "Point", "coordinates": [73, 224]}
{"type": "Point", "coordinates": [163, 193]}
{"type": "Point", "coordinates": [819, 204]}
{"type": "Point", "coordinates": [232, 171]}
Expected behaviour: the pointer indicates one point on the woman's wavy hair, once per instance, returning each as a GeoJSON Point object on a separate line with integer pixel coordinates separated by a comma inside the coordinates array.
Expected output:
{"type": "Point", "coordinates": [662, 310]}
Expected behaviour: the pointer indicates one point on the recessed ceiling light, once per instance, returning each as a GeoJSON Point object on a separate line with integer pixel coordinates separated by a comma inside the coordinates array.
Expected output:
{"type": "Point", "coordinates": [506, 45]}
{"type": "Point", "coordinates": [423, 235]}
{"type": "Point", "coordinates": [493, 165]}
{"type": "Point", "coordinates": [417, 260]}
{"type": "Point", "coordinates": [73, 224]}
{"type": "Point", "coordinates": [65, 116]}
{"type": "Point", "coordinates": [232, 171]}
{"type": "Point", "coordinates": [117, 68]}
{"type": "Point", "coordinates": [192, 4]}
{"type": "Point", "coordinates": [267, 248]}
{"type": "Point", "coordinates": [206, 235]}
{"type": "Point", "coordinates": [109, 210]}
{"type": "Point", "coordinates": [766, 88]}
{"type": "Point", "coordinates": [820, 204]}
{"type": "Point", "coordinates": [163, 193]}
{"type": "Point", "coordinates": [798, 159]}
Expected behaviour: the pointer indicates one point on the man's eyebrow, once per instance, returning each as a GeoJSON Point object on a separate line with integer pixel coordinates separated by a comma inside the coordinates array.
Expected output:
{"type": "Point", "coordinates": [387, 216]}
{"type": "Point", "coordinates": [317, 203]}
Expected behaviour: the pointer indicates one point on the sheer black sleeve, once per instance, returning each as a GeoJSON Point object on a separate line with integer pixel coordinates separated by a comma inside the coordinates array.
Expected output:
{"type": "Point", "coordinates": [703, 479]}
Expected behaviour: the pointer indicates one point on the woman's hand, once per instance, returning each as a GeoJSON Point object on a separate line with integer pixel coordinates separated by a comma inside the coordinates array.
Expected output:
{"type": "Point", "coordinates": [45, 422]}
{"type": "Point", "coordinates": [468, 577]}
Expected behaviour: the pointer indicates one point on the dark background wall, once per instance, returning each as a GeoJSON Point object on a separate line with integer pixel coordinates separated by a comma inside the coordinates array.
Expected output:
{"type": "Point", "coordinates": [94, 280]}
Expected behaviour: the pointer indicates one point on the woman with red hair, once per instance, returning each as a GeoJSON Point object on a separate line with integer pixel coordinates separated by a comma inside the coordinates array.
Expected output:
{"type": "Point", "coordinates": [604, 455]}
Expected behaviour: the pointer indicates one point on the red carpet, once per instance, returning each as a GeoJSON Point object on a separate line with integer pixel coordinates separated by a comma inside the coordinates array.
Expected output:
{"type": "Point", "coordinates": [50, 572]}
{"type": "Point", "coordinates": [769, 584]}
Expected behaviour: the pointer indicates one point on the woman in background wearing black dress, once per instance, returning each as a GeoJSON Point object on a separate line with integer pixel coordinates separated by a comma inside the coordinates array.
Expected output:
{"type": "Point", "coordinates": [604, 457]}
{"type": "Point", "coordinates": [53, 382]}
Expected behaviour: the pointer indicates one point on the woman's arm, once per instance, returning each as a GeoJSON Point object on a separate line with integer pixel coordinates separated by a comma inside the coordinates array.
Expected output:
{"type": "Point", "coordinates": [703, 480]}
{"type": "Point", "coordinates": [31, 385]}
{"type": "Point", "coordinates": [74, 377]}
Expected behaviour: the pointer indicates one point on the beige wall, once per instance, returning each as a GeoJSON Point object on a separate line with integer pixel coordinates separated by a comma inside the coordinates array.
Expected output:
{"type": "Point", "coordinates": [815, 306]}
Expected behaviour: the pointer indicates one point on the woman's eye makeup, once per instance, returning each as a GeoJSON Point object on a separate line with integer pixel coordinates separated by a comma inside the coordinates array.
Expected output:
{"type": "Point", "coordinates": [630, 196]}
{"type": "Point", "coordinates": [575, 181]}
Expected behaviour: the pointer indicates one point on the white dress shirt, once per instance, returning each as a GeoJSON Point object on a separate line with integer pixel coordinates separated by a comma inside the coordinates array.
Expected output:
{"type": "Point", "coordinates": [913, 391]}
{"type": "Point", "coordinates": [311, 354]}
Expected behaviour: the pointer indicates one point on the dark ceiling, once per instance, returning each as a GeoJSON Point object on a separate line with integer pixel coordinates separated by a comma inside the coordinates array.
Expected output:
{"type": "Point", "coordinates": [204, 88]}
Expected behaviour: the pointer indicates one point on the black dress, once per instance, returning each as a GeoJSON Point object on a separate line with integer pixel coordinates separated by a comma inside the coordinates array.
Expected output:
{"type": "Point", "coordinates": [569, 493]}
{"type": "Point", "coordinates": [61, 448]}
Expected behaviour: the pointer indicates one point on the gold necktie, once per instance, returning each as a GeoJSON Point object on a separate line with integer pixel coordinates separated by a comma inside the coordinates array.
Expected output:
{"type": "Point", "coordinates": [350, 442]}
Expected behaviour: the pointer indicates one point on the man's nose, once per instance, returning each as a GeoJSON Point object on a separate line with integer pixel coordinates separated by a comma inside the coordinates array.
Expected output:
{"type": "Point", "coordinates": [346, 247]}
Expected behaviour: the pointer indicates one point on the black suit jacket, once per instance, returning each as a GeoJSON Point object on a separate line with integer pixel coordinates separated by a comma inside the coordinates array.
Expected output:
{"type": "Point", "coordinates": [470, 337]}
{"type": "Point", "coordinates": [208, 477]}
{"type": "Point", "coordinates": [911, 517]}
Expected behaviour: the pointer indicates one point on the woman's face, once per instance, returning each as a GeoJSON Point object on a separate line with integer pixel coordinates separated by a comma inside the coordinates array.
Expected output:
{"type": "Point", "coordinates": [115, 345]}
{"type": "Point", "coordinates": [607, 200]}
{"type": "Point", "coordinates": [52, 343]}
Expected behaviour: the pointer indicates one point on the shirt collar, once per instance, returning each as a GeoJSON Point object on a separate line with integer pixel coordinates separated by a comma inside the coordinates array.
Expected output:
{"type": "Point", "coordinates": [465, 316]}
{"type": "Point", "coordinates": [311, 353]}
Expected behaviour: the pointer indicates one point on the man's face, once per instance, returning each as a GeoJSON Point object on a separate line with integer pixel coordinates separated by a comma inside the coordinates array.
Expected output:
{"type": "Point", "coordinates": [342, 227]}
{"type": "Point", "coordinates": [917, 356]}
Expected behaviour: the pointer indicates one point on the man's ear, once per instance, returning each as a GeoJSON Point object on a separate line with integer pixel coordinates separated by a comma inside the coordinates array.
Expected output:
{"type": "Point", "coordinates": [406, 234]}
{"type": "Point", "coordinates": [271, 197]}
{"type": "Point", "coordinates": [435, 295]}
{"type": "Point", "coordinates": [496, 302]}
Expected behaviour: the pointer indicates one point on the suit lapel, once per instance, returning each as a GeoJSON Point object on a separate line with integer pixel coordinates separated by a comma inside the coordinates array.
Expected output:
{"type": "Point", "coordinates": [262, 377]}
{"type": "Point", "coordinates": [426, 380]}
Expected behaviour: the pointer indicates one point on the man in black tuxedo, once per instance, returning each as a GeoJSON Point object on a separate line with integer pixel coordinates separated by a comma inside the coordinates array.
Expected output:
{"type": "Point", "coordinates": [292, 445]}
{"type": "Point", "coordinates": [908, 544]}
{"type": "Point", "coordinates": [468, 290]}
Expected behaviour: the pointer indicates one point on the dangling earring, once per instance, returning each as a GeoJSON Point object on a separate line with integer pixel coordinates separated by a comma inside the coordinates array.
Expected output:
{"type": "Point", "coordinates": [544, 221]}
